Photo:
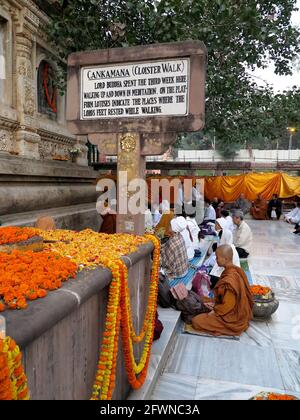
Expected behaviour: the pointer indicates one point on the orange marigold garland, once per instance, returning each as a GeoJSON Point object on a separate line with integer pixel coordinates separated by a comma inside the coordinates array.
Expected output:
{"type": "Point", "coordinates": [28, 275]}
{"type": "Point", "coordinates": [13, 381]}
{"type": "Point", "coordinates": [119, 297]}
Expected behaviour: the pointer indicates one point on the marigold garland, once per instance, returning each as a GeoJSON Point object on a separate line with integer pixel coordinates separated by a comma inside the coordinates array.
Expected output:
{"type": "Point", "coordinates": [51, 101]}
{"type": "Point", "coordinates": [259, 290]}
{"type": "Point", "coordinates": [28, 275]}
{"type": "Point", "coordinates": [270, 396]}
{"type": "Point", "coordinates": [88, 248]}
{"type": "Point", "coordinates": [13, 381]}
{"type": "Point", "coordinates": [119, 297]}
{"type": "Point", "coordinates": [12, 234]}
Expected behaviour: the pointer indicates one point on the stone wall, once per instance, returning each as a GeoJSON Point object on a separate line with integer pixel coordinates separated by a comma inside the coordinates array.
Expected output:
{"type": "Point", "coordinates": [36, 172]}
{"type": "Point", "coordinates": [60, 335]}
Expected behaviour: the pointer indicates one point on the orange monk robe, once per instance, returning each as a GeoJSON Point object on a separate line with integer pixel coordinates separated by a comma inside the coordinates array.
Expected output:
{"type": "Point", "coordinates": [164, 226]}
{"type": "Point", "coordinates": [233, 306]}
{"type": "Point", "coordinates": [259, 209]}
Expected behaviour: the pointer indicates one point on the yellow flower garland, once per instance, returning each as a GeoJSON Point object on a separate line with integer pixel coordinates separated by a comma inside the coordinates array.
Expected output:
{"type": "Point", "coordinates": [119, 295]}
{"type": "Point", "coordinates": [13, 382]}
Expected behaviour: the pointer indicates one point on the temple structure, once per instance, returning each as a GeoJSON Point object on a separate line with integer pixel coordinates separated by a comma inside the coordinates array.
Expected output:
{"type": "Point", "coordinates": [43, 168]}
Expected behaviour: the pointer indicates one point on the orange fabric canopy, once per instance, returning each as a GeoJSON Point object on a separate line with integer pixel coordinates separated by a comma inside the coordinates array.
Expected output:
{"type": "Point", "coordinates": [229, 188]}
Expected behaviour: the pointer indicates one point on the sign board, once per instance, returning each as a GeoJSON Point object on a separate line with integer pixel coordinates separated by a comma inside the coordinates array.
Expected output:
{"type": "Point", "coordinates": [135, 90]}
{"type": "Point", "coordinates": [157, 88]}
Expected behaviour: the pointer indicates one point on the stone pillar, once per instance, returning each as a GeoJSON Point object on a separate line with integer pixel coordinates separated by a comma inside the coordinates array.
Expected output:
{"type": "Point", "coordinates": [131, 165]}
{"type": "Point", "coordinates": [27, 139]}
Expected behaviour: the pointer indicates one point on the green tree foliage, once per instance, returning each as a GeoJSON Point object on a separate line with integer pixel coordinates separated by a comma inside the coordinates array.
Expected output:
{"type": "Point", "coordinates": [238, 34]}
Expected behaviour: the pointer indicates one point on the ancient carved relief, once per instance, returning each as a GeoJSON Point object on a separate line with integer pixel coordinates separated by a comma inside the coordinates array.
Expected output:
{"type": "Point", "coordinates": [6, 141]}
{"type": "Point", "coordinates": [29, 103]}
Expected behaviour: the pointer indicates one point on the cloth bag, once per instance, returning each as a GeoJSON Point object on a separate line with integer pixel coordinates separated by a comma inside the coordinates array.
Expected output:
{"type": "Point", "coordinates": [188, 302]}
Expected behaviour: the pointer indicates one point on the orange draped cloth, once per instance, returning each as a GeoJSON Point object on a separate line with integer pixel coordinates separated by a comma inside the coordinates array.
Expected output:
{"type": "Point", "coordinates": [233, 306]}
{"type": "Point", "coordinates": [259, 209]}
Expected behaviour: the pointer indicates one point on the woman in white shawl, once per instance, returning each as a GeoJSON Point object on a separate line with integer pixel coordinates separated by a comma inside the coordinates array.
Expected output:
{"type": "Point", "coordinates": [179, 225]}
{"type": "Point", "coordinates": [226, 239]}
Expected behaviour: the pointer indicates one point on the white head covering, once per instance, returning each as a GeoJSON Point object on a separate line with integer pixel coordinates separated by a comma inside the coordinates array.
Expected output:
{"type": "Point", "coordinates": [165, 206]}
{"type": "Point", "coordinates": [222, 222]}
{"type": "Point", "coordinates": [179, 225]}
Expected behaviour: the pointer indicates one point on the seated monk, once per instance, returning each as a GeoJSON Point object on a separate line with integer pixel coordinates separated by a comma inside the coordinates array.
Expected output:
{"type": "Point", "coordinates": [233, 302]}
{"type": "Point", "coordinates": [259, 209]}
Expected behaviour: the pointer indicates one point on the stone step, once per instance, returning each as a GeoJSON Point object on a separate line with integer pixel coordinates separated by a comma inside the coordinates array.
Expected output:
{"type": "Point", "coordinates": [162, 348]}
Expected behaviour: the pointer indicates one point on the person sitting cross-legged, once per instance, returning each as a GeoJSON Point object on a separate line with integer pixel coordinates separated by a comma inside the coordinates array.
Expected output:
{"type": "Point", "coordinates": [231, 310]}
{"type": "Point", "coordinates": [242, 235]}
{"type": "Point", "coordinates": [174, 257]}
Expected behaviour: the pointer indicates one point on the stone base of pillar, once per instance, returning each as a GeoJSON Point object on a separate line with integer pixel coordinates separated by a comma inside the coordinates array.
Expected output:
{"type": "Point", "coordinates": [27, 143]}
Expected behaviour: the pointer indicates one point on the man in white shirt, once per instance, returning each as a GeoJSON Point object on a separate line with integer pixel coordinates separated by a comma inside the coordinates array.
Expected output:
{"type": "Point", "coordinates": [230, 225]}
{"type": "Point", "coordinates": [293, 217]}
{"type": "Point", "coordinates": [242, 236]}
{"type": "Point", "coordinates": [210, 212]}
{"type": "Point", "coordinates": [194, 229]}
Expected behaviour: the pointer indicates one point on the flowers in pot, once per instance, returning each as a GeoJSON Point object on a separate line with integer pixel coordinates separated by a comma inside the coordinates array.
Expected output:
{"type": "Point", "coordinates": [74, 153]}
{"type": "Point", "coordinates": [265, 303]}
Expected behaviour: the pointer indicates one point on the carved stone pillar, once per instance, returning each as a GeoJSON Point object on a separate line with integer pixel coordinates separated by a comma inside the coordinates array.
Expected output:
{"type": "Point", "coordinates": [27, 138]}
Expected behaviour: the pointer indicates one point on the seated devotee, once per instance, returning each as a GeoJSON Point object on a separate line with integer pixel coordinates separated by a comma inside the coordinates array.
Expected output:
{"type": "Point", "coordinates": [293, 217]}
{"type": "Point", "coordinates": [219, 209]}
{"type": "Point", "coordinates": [215, 202]}
{"type": "Point", "coordinates": [156, 215]}
{"type": "Point", "coordinates": [242, 235]}
{"type": "Point", "coordinates": [45, 223]}
{"type": "Point", "coordinates": [259, 209]}
{"type": "Point", "coordinates": [162, 229]}
{"type": "Point", "coordinates": [148, 221]}
{"type": "Point", "coordinates": [209, 213]}
{"type": "Point", "coordinates": [226, 215]}
{"type": "Point", "coordinates": [275, 205]}
{"type": "Point", "coordinates": [242, 204]}
{"type": "Point", "coordinates": [194, 229]}
{"type": "Point", "coordinates": [109, 223]}
{"type": "Point", "coordinates": [179, 225]}
{"type": "Point", "coordinates": [174, 259]}
{"type": "Point", "coordinates": [231, 310]}
{"type": "Point", "coordinates": [225, 238]}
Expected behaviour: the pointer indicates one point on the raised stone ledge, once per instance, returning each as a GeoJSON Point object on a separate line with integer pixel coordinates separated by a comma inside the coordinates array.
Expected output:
{"type": "Point", "coordinates": [11, 165]}
{"type": "Point", "coordinates": [26, 325]}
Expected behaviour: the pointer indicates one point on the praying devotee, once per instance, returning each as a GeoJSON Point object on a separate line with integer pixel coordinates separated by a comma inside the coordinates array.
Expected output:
{"type": "Point", "coordinates": [293, 217]}
{"type": "Point", "coordinates": [156, 215]}
{"type": "Point", "coordinates": [194, 229]}
{"type": "Point", "coordinates": [45, 223]}
{"type": "Point", "coordinates": [162, 229]}
{"type": "Point", "coordinates": [174, 259]}
{"type": "Point", "coordinates": [275, 205]}
{"type": "Point", "coordinates": [226, 215]}
{"type": "Point", "coordinates": [231, 310]}
{"type": "Point", "coordinates": [259, 208]}
{"type": "Point", "coordinates": [242, 235]}
{"type": "Point", "coordinates": [210, 212]}
{"type": "Point", "coordinates": [179, 225]}
{"type": "Point", "coordinates": [226, 238]}
{"type": "Point", "coordinates": [242, 204]}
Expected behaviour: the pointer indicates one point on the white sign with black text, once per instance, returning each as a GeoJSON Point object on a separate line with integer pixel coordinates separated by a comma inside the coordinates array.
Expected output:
{"type": "Point", "coordinates": [157, 88]}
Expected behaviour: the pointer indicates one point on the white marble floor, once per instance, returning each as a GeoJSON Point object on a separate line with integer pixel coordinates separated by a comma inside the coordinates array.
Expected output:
{"type": "Point", "coordinates": [267, 357]}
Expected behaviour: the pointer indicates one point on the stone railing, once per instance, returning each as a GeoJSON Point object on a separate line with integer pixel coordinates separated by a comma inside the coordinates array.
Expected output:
{"type": "Point", "coordinates": [60, 335]}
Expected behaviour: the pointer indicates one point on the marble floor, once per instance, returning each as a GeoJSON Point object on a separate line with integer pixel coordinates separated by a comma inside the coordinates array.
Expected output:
{"type": "Point", "coordinates": [267, 357]}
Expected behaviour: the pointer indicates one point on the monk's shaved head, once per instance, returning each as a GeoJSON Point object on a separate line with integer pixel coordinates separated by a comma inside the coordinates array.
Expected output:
{"type": "Point", "coordinates": [224, 255]}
